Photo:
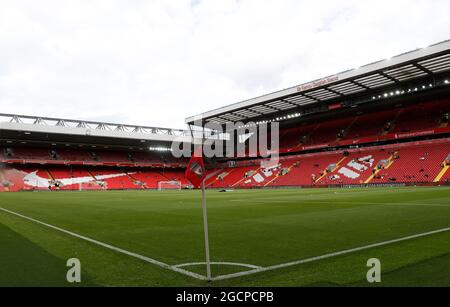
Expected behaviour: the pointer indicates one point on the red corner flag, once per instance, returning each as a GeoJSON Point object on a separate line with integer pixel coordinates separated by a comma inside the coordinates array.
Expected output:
{"type": "Point", "coordinates": [195, 171]}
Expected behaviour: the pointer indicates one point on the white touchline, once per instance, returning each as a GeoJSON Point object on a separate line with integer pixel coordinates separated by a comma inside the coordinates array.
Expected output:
{"type": "Point", "coordinates": [347, 251]}
{"type": "Point", "coordinates": [380, 204]}
{"type": "Point", "coordinates": [116, 249]}
{"type": "Point", "coordinates": [257, 269]}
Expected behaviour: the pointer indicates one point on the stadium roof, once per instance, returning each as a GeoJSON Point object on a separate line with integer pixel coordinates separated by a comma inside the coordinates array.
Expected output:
{"type": "Point", "coordinates": [366, 80]}
{"type": "Point", "coordinates": [29, 129]}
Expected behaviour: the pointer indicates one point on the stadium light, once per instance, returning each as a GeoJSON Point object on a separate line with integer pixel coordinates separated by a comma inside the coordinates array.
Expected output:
{"type": "Point", "coordinates": [446, 82]}
{"type": "Point", "coordinates": [160, 149]}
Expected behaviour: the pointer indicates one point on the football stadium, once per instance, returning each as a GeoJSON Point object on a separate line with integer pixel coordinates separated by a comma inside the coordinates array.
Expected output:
{"type": "Point", "coordinates": [361, 175]}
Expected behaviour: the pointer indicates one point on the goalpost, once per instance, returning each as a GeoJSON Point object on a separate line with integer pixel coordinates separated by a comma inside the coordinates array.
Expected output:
{"type": "Point", "coordinates": [169, 185]}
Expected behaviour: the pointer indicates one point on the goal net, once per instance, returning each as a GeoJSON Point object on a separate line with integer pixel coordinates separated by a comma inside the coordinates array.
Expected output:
{"type": "Point", "coordinates": [169, 185]}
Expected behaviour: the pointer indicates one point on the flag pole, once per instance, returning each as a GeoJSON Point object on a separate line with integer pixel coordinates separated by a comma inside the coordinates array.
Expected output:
{"type": "Point", "coordinates": [205, 227]}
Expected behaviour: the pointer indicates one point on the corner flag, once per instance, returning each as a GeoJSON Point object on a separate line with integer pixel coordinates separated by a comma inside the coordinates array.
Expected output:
{"type": "Point", "coordinates": [195, 171]}
{"type": "Point", "coordinates": [196, 174]}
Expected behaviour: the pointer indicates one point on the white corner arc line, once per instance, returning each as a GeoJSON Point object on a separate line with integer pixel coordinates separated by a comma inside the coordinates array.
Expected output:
{"type": "Point", "coordinates": [344, 252]}
{"type": "Point", "coordinates": [111, 247]}
{"type": "Point", "coordinates": [177, 269]}
{"type": "Point", "coordinates": [251, 266]}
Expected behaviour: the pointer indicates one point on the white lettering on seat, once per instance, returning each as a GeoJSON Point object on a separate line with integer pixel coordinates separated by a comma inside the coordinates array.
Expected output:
{"type": "Point", "coordinates": [258, 178]}
{"type": "Point", "coordinates": [349, 173]}
{"type": "Point", "coordinates": [357, 166]}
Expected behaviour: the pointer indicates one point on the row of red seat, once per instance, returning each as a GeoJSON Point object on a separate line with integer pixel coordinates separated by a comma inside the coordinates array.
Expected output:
{"type": "Point", "coordinates": [418, 117]}
{"type": "Point", "coordinates": [19, 178]}
{"type": "Point", "coordinates": [420, 162]}
{"type": "Point", "coordinates": [78, 155]}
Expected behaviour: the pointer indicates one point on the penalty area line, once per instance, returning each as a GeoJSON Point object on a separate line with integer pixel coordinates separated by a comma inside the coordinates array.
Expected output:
{"type": "Point", "coordinates": [111, 247]}
{"type": "Point", "coordinates": [335, 254]}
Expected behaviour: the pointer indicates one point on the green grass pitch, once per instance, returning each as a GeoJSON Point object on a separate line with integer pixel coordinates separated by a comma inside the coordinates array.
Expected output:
{"type": "Point", "coordinates": [261, 228]}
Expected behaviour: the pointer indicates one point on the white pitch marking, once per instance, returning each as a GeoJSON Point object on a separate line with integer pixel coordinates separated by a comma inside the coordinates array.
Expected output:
{"type": "Point", "coordinates": [218, 263]}
{"type": "Point", "coordinates": [416, 204]}
{"type": "Point", "coordinates": [382, 204]}
{"type": "Point", "coordinates": [347, 251]}
{"type": "Point", "coordinates": [176, 268]}
{"type": "Point", "coordinates": [262, 201]}
{"type": "Point", "coordinates": [111, 247]}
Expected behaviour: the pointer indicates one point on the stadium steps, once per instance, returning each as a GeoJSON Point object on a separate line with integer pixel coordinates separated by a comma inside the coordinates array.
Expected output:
{"type": "Point", "coordinates": [91, 174]}
{"type": "Point", "coordinates": [442, 173]}
{"type": "Point", "coordinates": [49, 174]}
{"type": "Point", "coordinates": [271, 180]}
{"type": "Point", "coordinates": [338, 165]}
{"type": "Point", "coordinates": [164, 176]}
{"type": "Point", "coordinates": [310, 135]}
{"type": "Point", "coordinates": [391, 161]}
{"type": "Point", "coordinates": [396, 119]}
{"type": "Point", "coordinates": [349, 127]}
{"type": "Point", "coordinates": [134, 180]}
{"type": "Point", "coordinates": [217, 173]}
{"type": "Point", "coordinates": [244, 178]}
{"type": "Point", "coordinates": [278, 175]}
{"type": "Point", "coordinates": [275, 178]}
{"type": "Point", "coordinates": [393, 122]}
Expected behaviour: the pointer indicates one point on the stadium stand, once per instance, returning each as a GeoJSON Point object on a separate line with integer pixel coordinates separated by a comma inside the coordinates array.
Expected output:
{"type": "Point", "coordinates": [366, 128]}
{"type": "Point", "coordinates": [408, 162]}
{"type": "Point", "coordinates": [75, 155]}
{"type": "Point", "coordinates": [418, 163]}
{"type": "Point", "coordinates": [371, 124]}
{"type": "Point", "coordinates": [385, 124]}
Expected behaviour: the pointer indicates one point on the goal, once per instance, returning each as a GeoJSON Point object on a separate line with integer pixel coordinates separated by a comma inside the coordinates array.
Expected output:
{"type": "Point", "coordinates": [169, 185]}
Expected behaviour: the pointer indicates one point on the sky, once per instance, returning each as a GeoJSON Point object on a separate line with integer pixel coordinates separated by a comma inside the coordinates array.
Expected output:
{"type": "Point", "coordinates": [156, 62]}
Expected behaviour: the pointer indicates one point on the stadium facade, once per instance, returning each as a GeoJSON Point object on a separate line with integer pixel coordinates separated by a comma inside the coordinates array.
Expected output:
{"type": "Point", "coordinates": [383, 123]}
